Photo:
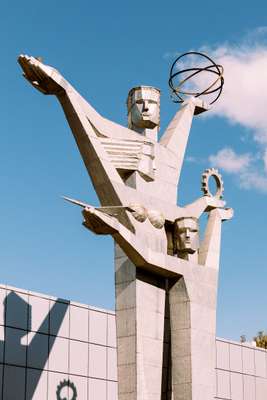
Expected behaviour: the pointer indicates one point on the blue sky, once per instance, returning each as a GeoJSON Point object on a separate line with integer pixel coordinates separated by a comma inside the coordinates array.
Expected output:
{"type": "Point", "coordinates": [104, 48]}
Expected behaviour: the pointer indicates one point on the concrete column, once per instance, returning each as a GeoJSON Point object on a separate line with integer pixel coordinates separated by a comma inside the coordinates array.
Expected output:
{"type": "Point", "coordinates": [140, 304]}
{"type": "Point", "coordinates": [193, 325]}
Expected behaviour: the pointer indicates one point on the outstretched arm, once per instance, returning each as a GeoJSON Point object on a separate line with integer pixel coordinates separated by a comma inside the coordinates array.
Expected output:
{"type": "Point", "coordinates": [99, 222]}
{"type": "Point", "coordinates": [142, 256]}
{"type": "Point", "coordinates": [44, 78]}
{"type": "Point", "coordinates": [49, 81]}
{"type": "Point", "coordinates": [209, 252]}
{"type": "Point", "coordinates": [103, 223]}
{"type": "Point", "coordinates": [86, 131]}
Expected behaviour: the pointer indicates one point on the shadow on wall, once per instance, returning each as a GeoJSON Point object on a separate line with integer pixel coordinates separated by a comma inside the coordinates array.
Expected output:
{"type": "Point", "coordinates": [17, 307]}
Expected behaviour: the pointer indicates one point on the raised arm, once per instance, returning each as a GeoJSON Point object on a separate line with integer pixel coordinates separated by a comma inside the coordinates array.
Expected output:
{"type": "Point", "coordinates": [175, 137]}
{"type": "Point", "coordinates": [201, 205]}
{"type": "Point", "coordinates": [209, 252]}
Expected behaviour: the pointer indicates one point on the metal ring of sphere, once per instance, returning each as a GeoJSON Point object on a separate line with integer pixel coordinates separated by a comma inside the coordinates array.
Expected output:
{"type": "Point", "coordinates": [215, 87]}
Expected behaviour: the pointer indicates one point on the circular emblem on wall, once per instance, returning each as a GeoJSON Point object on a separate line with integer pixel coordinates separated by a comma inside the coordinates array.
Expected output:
{"type": "Point", "coordinates": [73, 391]}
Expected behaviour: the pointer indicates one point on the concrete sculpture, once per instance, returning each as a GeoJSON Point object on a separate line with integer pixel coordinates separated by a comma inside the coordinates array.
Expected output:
{"type": "Point", "coordinates": [160, 264]}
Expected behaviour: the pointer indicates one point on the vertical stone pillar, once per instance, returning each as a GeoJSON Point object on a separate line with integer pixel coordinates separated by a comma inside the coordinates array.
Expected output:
{"type": "Point", "coordinates": [140, 304]}
{"type": "Point", "coordinates": [193, 327]}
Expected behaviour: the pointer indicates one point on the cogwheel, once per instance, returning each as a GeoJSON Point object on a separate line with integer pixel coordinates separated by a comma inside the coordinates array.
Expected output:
{"type": "Point", "coordinates": [218, 180]}
{"type": "Point", "coordinates": [69, 384]}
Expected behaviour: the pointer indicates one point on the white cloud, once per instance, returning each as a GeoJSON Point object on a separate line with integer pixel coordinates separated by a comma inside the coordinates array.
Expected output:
{"type": "Point", "coordinates": [265, 160]}
{"type": "Point", "coordinates": [253, 180]}
{"type": "Point", "coordinates": [243, 101]}
{"type": "Point", "coordinates": [244, 97]}
{"type": "Point", "coordinates": [242, 166]}
{"type": "Point", "coordinates": [229, 161]}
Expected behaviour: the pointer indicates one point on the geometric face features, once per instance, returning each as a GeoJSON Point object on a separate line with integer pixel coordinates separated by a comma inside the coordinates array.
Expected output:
{"type": "Point", "coordinates": [186, 235]}
{"type": "Point", "coordinates": [143, 107]}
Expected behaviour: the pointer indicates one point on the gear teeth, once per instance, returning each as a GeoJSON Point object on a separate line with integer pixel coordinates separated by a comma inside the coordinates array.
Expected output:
{"type": "Point", "coordinates": [205, 182]}
{"type": "Point", "coordinates": [68, 383]}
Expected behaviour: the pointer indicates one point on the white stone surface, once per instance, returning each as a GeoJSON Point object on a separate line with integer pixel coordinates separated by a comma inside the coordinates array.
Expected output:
{"type": "Point", "coordinates": [248, 360]}
{"type": "Point", "coordinates": [112, 364]}
{"type": "Point", "coordinates": [97, 389]}
{"type": "Point", "coordinates": [112, 391]}
{"type": "Point", "coordinates": [129, 164]}
{"type": "Point", "coordinates": [236, 358]}
{"type": "Point", "coordinates": [59, 355]}
{"type": "Point", "coordinates": [79, 323]}
{"type": "Point", "coordinates": [111, 341]}
{"type": "Point", "coordinates": [249, 387]}
{"type": "Point", "coordinates": [236, 386]}
{"type": "Point", "coordinates": [223, 356]}
{"type": "Point", "coordinates": [261, 388]}
{"type": "Point", "coordinates": [97, 361]}
{"type": "Point", "coordinates": [81, 385]}
{"type": "Point", "coordinates": [78, 363]}
{"type": "Point", "coordinates": [97, 327]}
{"type": "Point", "coordinates": [260, 364]}
{"type": "Point", "coordinates": [223, 384]}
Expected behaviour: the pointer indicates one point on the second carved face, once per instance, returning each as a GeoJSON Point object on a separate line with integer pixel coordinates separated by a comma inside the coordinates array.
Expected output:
{"type": "Point", "coordinates": [186, 235]}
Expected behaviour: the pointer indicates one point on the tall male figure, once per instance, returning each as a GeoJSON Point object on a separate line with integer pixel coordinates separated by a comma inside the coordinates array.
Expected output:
{"type": "Point", "coordinates": [157, 251]}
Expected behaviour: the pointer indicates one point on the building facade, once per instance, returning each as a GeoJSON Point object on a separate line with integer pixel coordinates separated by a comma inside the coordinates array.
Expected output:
{"type": "Point", "coordinates": [52, 348]}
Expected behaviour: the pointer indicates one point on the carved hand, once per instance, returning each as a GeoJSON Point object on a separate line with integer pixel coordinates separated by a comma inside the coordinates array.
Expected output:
{"type": "Point", "coordinates": [226, 213]}
{"type": "Point", "coordinates": [98, 222]}
{"type": "Point", "coordinates": [213, 202]}
{"type": "Point", "coordinates": [43, 77]}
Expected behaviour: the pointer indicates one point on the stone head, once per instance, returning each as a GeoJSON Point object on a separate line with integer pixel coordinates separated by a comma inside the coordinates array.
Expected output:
{"type": "Point", "coordinates": [143, 105]}
{"type": "Point", "coordinates": [186, 235]}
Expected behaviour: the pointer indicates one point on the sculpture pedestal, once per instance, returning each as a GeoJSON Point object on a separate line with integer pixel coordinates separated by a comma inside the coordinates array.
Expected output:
{"type": "Point", "coordinates": [142, 330]}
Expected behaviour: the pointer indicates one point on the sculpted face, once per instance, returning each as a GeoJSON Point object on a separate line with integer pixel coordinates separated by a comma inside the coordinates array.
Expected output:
{"type": "Point", "coordinates": [186, 235]}
{"type": "Point", "coordinates": [143, 107]}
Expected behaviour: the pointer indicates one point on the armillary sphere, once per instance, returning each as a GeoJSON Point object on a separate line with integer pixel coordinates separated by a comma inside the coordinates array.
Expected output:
{"type": "Point", "coordinates": [177, 71]}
